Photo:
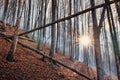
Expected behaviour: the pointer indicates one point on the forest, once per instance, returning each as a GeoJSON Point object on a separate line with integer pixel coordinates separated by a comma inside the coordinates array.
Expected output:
{"type": "Point", "coordinates": [59, 39]}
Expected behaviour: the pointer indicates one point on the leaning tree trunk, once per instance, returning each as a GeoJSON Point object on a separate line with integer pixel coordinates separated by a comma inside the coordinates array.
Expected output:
{"type": "Point", "coordinates": [14, 44]}
{"type": "Point", "coordinates": [15, 38]}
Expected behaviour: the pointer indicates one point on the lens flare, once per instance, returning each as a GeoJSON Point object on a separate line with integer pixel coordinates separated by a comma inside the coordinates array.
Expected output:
{"type": "Point", "coordinates": [85, 40]}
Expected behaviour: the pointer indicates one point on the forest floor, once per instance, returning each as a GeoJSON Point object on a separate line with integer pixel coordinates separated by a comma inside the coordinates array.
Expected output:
{"type": "Point", "coordinates": [29, 65]}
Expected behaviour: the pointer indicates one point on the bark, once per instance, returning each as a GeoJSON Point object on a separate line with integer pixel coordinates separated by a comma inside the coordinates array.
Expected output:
{"type": "Point", "coordinates": [100, 71]}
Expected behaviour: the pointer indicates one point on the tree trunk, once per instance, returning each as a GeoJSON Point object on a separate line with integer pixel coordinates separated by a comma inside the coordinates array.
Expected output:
{"type": "Point", "coordinates": [114, 38]}
{"type": "Point", "coordinates": [85, 50]}
{"type": "Point", "coordinates": [58, 29]}
{"type": "Point", "coordinates": [99, 64]}
{"type": "Point", "coordinates": [14, 44]}
{"type": "Point", "coordinates": [53, 30]}
{"type": "Point", "coordinates": [71, 32]}
{"type": "Point", "coordinates": [4, 14]}
{"type": "Point", "coordinates": [97, 50]}
{"type": "Point", "coordinates": [15, 38]}
{"type": "Point", "coordinates": [118, 9]}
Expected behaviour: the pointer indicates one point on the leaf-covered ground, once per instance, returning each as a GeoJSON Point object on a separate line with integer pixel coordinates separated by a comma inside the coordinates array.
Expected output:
{"type": "Point", "coordinates": [30, 67]}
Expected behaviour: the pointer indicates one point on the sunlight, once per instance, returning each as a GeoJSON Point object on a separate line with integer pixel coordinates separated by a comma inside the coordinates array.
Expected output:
{"type": "Point", "coordinates": [85, 40]}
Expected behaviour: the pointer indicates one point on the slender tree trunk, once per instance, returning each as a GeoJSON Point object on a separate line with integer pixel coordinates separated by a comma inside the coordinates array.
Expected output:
{"type": "Point", "coordinates": [40, 22]}
{"type": "Point", "coordinates": [14, 44]}
{"type": "Point", "coordinates": [5, 14]}
{"type": "Point", "coordinates": [85, 49]}
{"type": "Point", "coordinates": [53, 30]}
{"type": "Point", "coordinates": [58, 29]}
{"type": "Point", "coordinates": [114, 38]}
{"type": "Point", "coordinates": [71, 33]}
{"type": "Point", "coordinates": [29, 15]}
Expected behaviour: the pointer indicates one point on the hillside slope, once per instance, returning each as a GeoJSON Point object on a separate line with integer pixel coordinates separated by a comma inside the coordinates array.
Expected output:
{"type": "Point", "coordinates": [30, 67]}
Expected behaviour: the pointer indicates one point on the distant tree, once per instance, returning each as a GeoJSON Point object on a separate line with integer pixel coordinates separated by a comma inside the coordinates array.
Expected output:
{"type": "Point", "coordinates": [29, 14]}
{"type": "Point", "coordinates": [5, 14]}
{"type": "Point", "coordinates": [58, 26]}
{"type": "Point", "coordinates": [114, 38]}
{"type": "Point", "coordinates": [70, 33]}
{"type": "Point", "coordinates": [118, 9]}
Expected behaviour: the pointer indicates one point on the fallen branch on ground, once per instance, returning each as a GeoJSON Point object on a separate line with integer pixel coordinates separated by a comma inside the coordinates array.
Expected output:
{"type": "Point", "coordinates": [20, 37]}
{"type": "Point", "coordinates": [46, 56]}
{"type": "Point", "coordinates": [31, 40]}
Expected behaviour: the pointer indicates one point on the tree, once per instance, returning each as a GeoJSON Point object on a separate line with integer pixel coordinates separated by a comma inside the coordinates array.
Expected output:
{"type": "Point", "coordinates": [114, 38]}
{"type": "Point", "coordinates": [118, 9]}
{"type": "Point", "coordinates": [53, 30]}
{"type": "Point", "coordinates": [5, 14]}
{"type": "Point", "coordinates": [96, 35]}
{"type": "Point", "coordinates": [10, 56]}
{"type": "Point", "coordinates": [29, 14]}
{"type": "Point", "coordinates": [70, 33]}
{"type": "Point", "coordinates": [58, 28]}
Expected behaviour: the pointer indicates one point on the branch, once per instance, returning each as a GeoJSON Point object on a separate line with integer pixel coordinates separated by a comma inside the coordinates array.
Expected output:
{"type": "Point", "coordinates": [46, 56]}
{"type": "Point", "coordinates": [69, 17]}
{"type": "Point", "coordinates": [11, 37]}
{"type": "Point", "coordinates": [60, 63]}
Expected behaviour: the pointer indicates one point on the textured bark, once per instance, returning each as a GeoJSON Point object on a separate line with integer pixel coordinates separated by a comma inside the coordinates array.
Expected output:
{"type": "Point", "coordinates": [99, 64]}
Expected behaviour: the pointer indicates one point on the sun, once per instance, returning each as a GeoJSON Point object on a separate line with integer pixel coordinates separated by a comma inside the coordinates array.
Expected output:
{"type": "Point", "coordinates": [85, 40]}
